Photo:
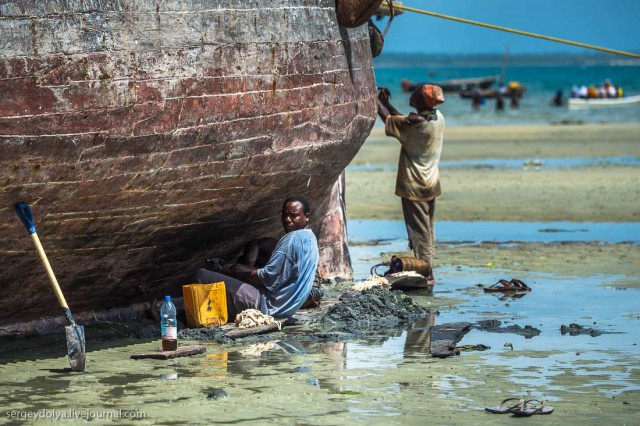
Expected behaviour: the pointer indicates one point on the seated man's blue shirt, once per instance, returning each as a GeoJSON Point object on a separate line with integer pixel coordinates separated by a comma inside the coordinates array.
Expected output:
{"type": "Point", "coordinates": [288, 276]}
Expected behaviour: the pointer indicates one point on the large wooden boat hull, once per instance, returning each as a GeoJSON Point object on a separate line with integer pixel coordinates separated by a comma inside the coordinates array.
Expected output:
{"type": "Point", "coordinates": [148, 136]}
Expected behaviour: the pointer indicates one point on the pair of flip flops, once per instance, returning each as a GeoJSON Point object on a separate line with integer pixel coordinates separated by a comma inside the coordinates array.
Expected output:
{"type": "Point", "coordinates": [515, 285]}
{"type": "Point", "coordinates": [521, 408]}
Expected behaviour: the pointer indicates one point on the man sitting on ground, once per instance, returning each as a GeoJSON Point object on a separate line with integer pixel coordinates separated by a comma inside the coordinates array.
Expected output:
{"type": "Point", "coordinates": [280, 287]}
{"type": "Point", "coordinates": [257, 253]}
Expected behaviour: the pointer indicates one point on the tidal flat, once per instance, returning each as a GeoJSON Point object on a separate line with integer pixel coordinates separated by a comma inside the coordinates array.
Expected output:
{"type": "Point", "coordinates": [389, 377]}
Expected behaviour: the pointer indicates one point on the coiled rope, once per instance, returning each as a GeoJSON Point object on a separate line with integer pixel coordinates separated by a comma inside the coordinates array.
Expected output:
{"type": "Point", "coordinates": [511, 30]}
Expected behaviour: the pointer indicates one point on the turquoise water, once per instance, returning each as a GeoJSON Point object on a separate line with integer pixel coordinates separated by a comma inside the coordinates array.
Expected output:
{"type": "Point", "coordinates": [541, 83]}
{"type": "Point", "coordinates": [517, 163]}
{"type": "Point", "coordinates": [476, 232]}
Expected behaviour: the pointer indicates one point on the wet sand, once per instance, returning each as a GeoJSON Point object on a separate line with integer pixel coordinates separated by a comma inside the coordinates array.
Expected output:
{"type": "Point", "coordinates": [603, 193]}
{"type": "Point", "coordinates": [598, 193]}
{"type": "Point", "coordinates": [390, 378]}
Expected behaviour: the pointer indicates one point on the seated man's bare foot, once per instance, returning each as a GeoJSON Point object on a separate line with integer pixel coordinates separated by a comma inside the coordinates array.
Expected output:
{"type": "Point", "coordinates": [215, 264]}
{"type": "Point", "coordinates": [431, 280]}
{"type": "Point", "coordinates": [153, 311]}
{"type": "Point", "coordinates": [314, 299]}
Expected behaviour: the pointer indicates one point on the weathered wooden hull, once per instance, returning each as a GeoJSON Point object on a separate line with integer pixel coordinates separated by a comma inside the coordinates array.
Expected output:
{"type": "Point", "coordinates": [150, 135]}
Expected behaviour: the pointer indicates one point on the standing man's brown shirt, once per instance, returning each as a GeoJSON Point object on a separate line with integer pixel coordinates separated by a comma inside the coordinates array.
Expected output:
{"type": "Point", "coordinates": [418, 176]}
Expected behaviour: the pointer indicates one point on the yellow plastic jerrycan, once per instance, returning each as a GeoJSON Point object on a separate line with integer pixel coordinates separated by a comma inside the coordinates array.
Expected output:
{"type": "Point", "coordinates": [205, 304]}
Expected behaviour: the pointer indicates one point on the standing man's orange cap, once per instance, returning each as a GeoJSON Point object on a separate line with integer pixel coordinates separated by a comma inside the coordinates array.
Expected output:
{"type": "Point", "coordinates": [427, 96]}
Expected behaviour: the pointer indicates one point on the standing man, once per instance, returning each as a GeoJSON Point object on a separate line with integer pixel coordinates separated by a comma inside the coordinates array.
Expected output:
{"type": "Point", "coordinates": [418, 182]}
{"type": "Point", "coordinates": [284, 283]}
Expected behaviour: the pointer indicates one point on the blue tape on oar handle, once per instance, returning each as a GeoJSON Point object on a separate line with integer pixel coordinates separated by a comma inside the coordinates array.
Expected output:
{"type": "Point", "coordinates": [24, 213]}
{"type": "Point", "coordinates": [67, 314]}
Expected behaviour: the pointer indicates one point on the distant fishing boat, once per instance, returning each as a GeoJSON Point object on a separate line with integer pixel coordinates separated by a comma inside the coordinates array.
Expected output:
{"type": "Point", "coordinates": [513, 88]}
{"type": "Point", "coordinates": [579, 103]}
{"type": "Point", "coordinates": [454, 85]}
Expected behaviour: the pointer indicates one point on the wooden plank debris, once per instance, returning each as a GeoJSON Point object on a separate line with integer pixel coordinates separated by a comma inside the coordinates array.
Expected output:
{"type": "Point", "coordinates": [409, 282]}
{"type": "Point", "coordinates": [237, 332]}
{"type": "Point", "coordinates": [180, 352]}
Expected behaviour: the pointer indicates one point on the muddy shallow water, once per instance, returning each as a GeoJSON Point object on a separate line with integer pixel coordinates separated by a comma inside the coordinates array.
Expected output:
{"type": "Point", "coordinates": [386, 377]}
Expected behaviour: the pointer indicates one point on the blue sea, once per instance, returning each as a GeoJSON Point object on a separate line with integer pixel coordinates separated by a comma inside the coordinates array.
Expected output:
{"type": "Point", "coordinates": [542, 80]}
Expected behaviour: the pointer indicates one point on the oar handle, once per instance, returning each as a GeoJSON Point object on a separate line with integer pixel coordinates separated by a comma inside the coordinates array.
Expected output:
{"type": "Point", "coordinates": [24, 213]}
{"type": "Point", "coordinates": [52, 277]}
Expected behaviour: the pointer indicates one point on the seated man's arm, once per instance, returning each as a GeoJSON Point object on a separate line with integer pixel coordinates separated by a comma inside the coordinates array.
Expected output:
{"type": "Point", "coordinates": [278, 271]}
{"type": "Point", "coordinates": [247, 274]}
{"type": "Point", "coordinates": [250, 254]}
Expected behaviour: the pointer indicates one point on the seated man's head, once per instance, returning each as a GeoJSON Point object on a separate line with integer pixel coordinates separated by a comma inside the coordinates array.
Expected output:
{"type": "Point", "coordinates": [295, 213]}
{"type": "Point", "coordinates": [426, 97]}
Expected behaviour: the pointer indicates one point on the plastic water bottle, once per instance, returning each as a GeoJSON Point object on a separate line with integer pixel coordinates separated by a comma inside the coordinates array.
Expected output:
{"type": "Point", "coordinates": [168, 325]}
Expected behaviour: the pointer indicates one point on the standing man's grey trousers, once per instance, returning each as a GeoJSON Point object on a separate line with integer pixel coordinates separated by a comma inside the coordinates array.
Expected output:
{"type": "Point", "coordinates": [419, 218]}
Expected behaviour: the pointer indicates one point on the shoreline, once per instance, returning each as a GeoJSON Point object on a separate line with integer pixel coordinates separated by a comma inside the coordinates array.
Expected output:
{"type": "Point", "coordinates": [599, 193]}
{"type": "Point", "coordinates": [541, 141]}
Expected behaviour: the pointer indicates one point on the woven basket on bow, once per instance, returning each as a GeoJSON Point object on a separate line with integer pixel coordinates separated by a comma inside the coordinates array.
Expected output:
{"type": "Point", "coordinates": [353, 13]}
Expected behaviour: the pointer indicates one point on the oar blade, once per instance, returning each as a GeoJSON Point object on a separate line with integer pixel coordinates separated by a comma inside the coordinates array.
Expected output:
{"type": "Point", "coordinates": [76, 347]}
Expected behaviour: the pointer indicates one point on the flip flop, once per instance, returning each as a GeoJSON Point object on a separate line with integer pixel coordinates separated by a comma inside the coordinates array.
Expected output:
{"type": "Point", "coordinates": [529, 410]}
{"type": "Point", "coordinates": [506, 409]}
{"type": "Point", "coordinates": [520, 285]}
{"type": "Point", "coordinates": [500, 286]}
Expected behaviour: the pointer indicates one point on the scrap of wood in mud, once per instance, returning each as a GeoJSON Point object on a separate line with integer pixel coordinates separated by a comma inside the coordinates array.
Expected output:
{"type": "Point", "coordinates": [495, 326]}
{"type": "Point", "coordinates": [409, 282]}
{"type": "Point", "coordinates": [180, 352]}
{"type": "Point", "coordinates": [444, 338]}
{"type": "Point", "coordinates": [236, 332]}
{"type": "Point", "coordinates": [574, 329]}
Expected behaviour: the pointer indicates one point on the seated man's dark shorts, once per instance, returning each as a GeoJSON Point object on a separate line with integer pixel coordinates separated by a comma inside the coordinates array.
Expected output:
{"type": "Point", "coordinates": [240, 295]}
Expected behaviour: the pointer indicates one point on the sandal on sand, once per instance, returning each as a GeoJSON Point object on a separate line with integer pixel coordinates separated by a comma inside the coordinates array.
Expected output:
{"type": "Point", "coordinates": [506, 409]}
{"type": "Point", "coordinates": [520, 285]}
{"type": "Point", "coordinates": [500, 286]}
{"type": "Point", "coordinates": [528, 409]}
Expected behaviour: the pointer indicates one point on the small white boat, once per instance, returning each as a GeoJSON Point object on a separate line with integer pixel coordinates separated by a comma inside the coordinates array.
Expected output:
{"type": "Point", "coordinates": [577, 103]}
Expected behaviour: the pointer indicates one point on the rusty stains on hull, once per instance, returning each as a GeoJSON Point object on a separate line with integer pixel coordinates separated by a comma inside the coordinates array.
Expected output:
{"type": "Point", "coordinates": [147, 137]}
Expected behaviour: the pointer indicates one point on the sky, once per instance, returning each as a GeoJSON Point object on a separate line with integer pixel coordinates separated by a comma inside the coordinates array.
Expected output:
{"type": "Point", "coordinates": [613, 24]}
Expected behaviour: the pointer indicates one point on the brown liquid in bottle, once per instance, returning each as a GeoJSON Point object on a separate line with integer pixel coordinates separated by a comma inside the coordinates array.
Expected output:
{"type": "Point", "coordinates": [169, 344]}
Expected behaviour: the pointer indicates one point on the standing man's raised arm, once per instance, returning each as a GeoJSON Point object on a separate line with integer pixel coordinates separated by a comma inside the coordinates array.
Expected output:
{"type": "Point", "coordinates": [385, 109]}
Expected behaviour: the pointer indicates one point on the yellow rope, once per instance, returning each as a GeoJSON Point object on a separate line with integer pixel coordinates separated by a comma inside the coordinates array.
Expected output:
{"type": "Point", "coordinates": [510, 30]}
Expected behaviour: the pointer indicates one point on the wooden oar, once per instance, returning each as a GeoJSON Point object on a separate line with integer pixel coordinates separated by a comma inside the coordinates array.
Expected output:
{"type": "Point", "coordinates": [74, 332]}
